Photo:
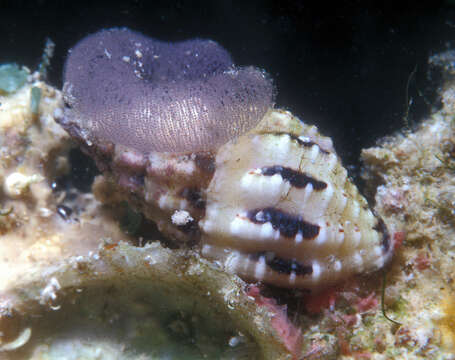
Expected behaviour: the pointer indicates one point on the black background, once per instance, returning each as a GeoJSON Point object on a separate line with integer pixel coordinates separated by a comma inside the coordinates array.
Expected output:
{"type": "Point", "coordinates": [343, 67]}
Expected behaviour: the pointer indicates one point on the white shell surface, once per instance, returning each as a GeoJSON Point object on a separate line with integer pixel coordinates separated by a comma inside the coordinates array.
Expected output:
{"type": "Point", "coordinates": [281, 209]}
{"type": "Point", "coordinates": [273, 205]}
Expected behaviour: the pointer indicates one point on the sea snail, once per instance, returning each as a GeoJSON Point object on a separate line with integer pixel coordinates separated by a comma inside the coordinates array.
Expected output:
{"type": "Point", "coordinates": [194, 143]}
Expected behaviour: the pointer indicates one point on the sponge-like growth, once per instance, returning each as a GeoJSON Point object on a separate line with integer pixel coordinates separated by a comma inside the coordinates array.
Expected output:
{"type": "Point", "coordinates": [149, 95]}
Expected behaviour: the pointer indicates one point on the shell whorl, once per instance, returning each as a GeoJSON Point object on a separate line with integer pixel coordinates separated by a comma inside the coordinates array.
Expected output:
{"type": "Point", "coordinates": [128, 89]}
{"type": "Point", "coordinates": [291, 218]}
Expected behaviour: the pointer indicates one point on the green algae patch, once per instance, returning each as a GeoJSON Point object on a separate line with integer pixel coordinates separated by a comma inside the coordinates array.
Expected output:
{"type": "Point", "coordinates": [35, 98]}
{"type": "Point", "coordinates": [12, 78]}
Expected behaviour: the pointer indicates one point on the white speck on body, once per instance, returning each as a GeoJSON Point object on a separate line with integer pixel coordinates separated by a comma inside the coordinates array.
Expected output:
{"type": "Point", "coordinates": [181, 217]}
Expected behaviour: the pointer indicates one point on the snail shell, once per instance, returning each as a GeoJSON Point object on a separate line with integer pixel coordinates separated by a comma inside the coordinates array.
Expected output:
{"type": "Point", "coordinates": [256, 189]}
{"type": "Point", "coordinates": [281, 201]}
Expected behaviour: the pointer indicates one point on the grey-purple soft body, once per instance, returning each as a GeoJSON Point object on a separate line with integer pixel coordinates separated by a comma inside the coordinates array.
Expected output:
{"type": "Point", "coordinates": [129, 89]}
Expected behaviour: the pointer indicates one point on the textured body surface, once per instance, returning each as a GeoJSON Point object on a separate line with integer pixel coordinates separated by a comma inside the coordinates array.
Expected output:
{"type": "Point", "coordinates": [128, 88]}
{"type": "Point", "coordinates": [273, 205]}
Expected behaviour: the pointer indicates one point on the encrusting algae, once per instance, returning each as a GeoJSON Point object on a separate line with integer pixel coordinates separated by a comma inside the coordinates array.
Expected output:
{"type": "Point", "coordinates": [68, 270]}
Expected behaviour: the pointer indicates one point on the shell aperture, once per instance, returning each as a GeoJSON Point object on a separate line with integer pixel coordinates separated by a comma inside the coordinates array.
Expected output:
{"type": "Point", "coordinates": [149, 95]}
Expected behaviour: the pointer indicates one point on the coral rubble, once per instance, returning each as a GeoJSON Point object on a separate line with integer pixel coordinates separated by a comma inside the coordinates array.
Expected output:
{"type": "Point", "coordinates": [72, 282]}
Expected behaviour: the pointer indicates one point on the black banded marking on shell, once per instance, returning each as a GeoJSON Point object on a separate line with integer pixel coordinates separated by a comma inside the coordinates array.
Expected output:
{"type": "Point", "coordinates": [382, 228]}
{"type": "Point", "coordinates": [296, 178]}
{"type": "Point", "coordinates": [304, 143]}
{"type": "Point", "coordinates": [288, 225]}
{"type": "Point", "coordinates": [285, 266]}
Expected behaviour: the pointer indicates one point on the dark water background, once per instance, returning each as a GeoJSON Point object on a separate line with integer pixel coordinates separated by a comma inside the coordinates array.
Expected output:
{"type": "Point", "coordinates": [344, 67]}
